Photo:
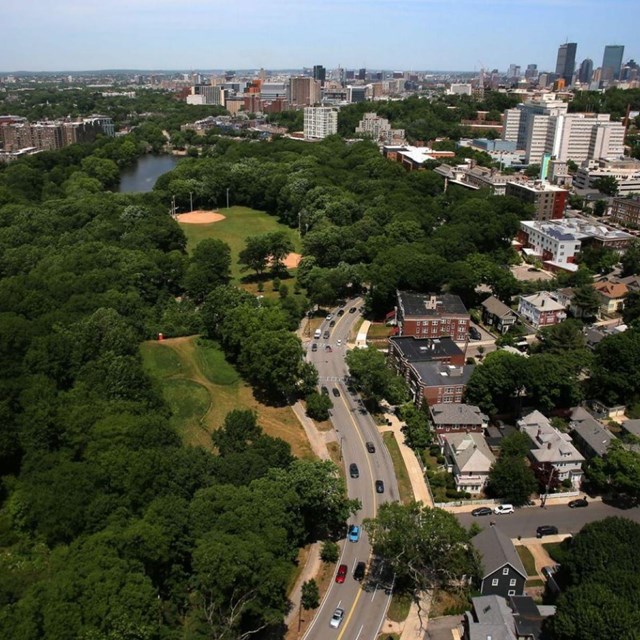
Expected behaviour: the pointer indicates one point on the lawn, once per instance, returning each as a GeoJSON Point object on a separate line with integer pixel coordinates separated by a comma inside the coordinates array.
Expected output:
{"type": "Point", "coordinates": [239, 224]}
{"type": "Point", "coordinates": [527, 560]}
{"type": "Point", "coordinates": [404, 484]}
{"type": "Point", "coordinates": [556, 550]}
{"type": "Point", "coordinates": [201, 387]}
{"type": "Point", "coordinates": [399, 607]}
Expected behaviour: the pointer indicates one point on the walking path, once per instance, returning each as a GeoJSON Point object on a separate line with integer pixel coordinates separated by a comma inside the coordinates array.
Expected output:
{"type": "Point", "coordinates": [310, 570]}
{"type": "Point", "coordinates": [316, 439]}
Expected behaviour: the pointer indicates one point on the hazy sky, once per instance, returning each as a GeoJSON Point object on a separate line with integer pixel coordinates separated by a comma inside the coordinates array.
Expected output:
{"type": "Point", "coordinates": [392, 34]}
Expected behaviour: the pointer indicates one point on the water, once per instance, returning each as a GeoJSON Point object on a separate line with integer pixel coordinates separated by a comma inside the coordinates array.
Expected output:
{"type": "Point", "coordinates": [141, 177]}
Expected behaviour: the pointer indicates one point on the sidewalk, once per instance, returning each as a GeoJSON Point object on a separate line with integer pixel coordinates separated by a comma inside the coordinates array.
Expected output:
{"type": "Point", "coordinates": [551, 502]}
{"type": "Point", "coordinates": [316, 439]}
{"type": "Point", "coordinates": [310, 570]}
{"type": "Point", "coordinates": [416, 476]}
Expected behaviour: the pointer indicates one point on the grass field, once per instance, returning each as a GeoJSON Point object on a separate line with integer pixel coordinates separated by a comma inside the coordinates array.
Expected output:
{"type": "Point", "coordinates": [404, 484]}
{"type": "Point", "coordinates": [240, 223]}
{"type": "Point", "coordinates": [201, 387]}
{"type": "Point", "coordinates": [527, 560]}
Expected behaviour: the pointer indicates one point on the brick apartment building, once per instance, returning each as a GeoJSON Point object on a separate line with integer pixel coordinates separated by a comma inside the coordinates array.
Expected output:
{"type": "Point", "coordinates": [548, 200]}
{"type": "Point", "coordinates": [432, 316]}
{"type": "Point", "coordinates": [626, 211]}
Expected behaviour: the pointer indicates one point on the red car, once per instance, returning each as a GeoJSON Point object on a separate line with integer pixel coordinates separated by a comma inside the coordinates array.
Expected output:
{"type": "Point", "coordinates": [342, 573]}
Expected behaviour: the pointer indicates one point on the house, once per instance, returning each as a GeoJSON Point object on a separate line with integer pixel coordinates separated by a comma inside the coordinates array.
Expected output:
{"type": "Point", "coordinates": [593, 337]}
{"type": "Point", "coordinates": [436, 382]}
{"type": "Point", "coordinates": [541, 310]}
{"type": "Point", "coordinates": [453, 418]}
{"type": "Point", "coordinates": [611, 295]}
{"type": "Point", "coordinates": [503, 573]}
{"type": "Point", "coordinates": [432, 316]}
{"type": "Point", "coordinates": [553, 447]}
{"type": "Point", "coordinates": [632, 282]}
{"type": "Point", "coordinates": [498, 314]}
{"type": "Point", "coordinates": [469, 460]}
{"type": "Point", "coordinates": [631, 427]}
{"type": "Point", "coordinates": [406, 350]}
{"type": "Point", "coordinates": [589, 435]}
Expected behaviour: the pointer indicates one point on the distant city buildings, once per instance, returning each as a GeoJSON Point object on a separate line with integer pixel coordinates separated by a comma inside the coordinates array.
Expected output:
{"type": "Point", "coordinates": [612, 62]}
{"type": "Point", "coordinates": [320, 122]}
{"type": "Point", "coordinates": [378, 129]}
{"type": "Point", "coordinates": [566, 62]}
{"type": "Point", "coordinates": [626, 172]}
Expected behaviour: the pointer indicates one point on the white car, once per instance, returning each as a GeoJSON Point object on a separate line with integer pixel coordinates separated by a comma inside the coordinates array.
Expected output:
{"type": "Point", "coordinates": [504, 508]}
{"type": "Point", "coordinates": [336, 618]}
{"type": "Point", "coordinates": [339, 343]}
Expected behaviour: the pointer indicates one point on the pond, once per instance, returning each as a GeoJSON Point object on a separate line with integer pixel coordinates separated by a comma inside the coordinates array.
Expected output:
{"type": "Point", "coordinates": [141, 177]}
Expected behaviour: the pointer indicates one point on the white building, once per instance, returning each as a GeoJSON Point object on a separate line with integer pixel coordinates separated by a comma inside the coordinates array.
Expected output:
{"type": "Point", "coordinates": [551, 242]}
{"type": "Point", "coordinates": [625, 170]}
{"type": "Point", "coordinates": [377, 128]}
{"type": "Point", "coordinates": [207, 94]}
{"type": "Point", "coordinates": [320, 122]}
{"type": "Point", "coordinates": [541, 310]}
{"type": "Point", "coordinates": [469, 460]}
{"type": "Point", "coordinates": [460, 89]}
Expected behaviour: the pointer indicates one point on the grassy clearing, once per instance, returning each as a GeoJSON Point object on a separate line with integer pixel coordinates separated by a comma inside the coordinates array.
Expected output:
{"type": "Point", "coordinates": [202, 387]}
{"type": "Point", "coordinates": [388, 636]}
{"type": "Point", "coordinates": [379, 331]}
{"type": "Point", "coordinates": [556, 550]}
{"type": "Point", "coordinates": [404, 484]}
{"type": "Point", "coordinates": [527, 560]}
{"type": "Point", "coordinates": [399, 607]}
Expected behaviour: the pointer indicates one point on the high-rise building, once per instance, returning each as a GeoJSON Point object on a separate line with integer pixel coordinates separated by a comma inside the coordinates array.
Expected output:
{"type": "Point", "coordinates": [356, 94]}
{"type": "Point", "coordinates": [586, 71]}
{"type": "Point", "coordinates": [319, 74]}
{"type": "Point", "coordinates": [531, 73]}
{"type": "Point", "coordinates": [611, 62]}
{"type": "Point", "coordinates": [362, 74]}
{"type": "Point", "coordinates": [304, 92]}
{"type": "Point", "coordinates": [320, 122]}
{"type": "Point", "coordinates": [514, 71]}
{"type": "Point", "coordinates": [566, 62]}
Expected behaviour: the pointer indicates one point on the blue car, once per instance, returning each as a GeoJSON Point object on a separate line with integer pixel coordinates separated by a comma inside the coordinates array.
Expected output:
{"type": "Point", "coordinates": [354, 533]}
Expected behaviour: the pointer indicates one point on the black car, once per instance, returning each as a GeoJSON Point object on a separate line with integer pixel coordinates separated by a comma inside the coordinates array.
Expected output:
{"type": "Point", "coordinates": [475, 334]}
{"type": "Point", "coordinates": [332, 323]}
{"type": "Point", "coordinates": [341, 312]}
{"type": "Point", "coordinates": [352, 310]}
{"type": "Point", "coordinates": [371, 448]}
{"type": "Point", "coordinates": [353, 470]}
{"type": "Point", "coordinates": [579, 502]}
{"type": "Point", "coordinates": [325, 335]}
{"type": "Point", "coordinates": [314, 346]}
{"type": "Point", "coordinates": [325, 391]}
{"type": "Point", "coordinates": [482, 511]}
{"type": "Point", "coordinates": [546, 530]}
{"type": "Point", "coordinates": [359, 571]}
{"type": "Point", "coordinates": [379, 486]}
{"type": "Point", "coordinates": [336, 392]}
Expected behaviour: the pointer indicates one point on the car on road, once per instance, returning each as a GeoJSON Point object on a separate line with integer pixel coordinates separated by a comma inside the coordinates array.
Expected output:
{"type": "Point", "coordinates": [359, 571]}
{"type": "Point", "coordinates": [363, 411]}
{"type": "Point", "coordinates": [482, 511]}
{"type": "Point", "coordinates": [475, 334]}
{"type": "Point", "coordinates": [339, 342]}
{"type": "Point", "coordinates": [341, 312]}
{"type": "Point", "coordinates": [342, 573]}
{"type": "Point", "coordinates": [325, 390]}
{"type": "Point", "coordinates": [371, 448]}
{"type": "Point", "coordinates": [578, 502]}
{"type": "Point", "coordinates": [504, 508]}
{"type": "Point", "coordinates": [354, 533]}
{"type": "Point", "coordinates": [328, 348]}
{"type": "Point", "coordinates": [379, 486]}
{"type": "Point", "coordinates": [326, 334]}
{"type": "Point", "coordinates": [352, 310]}
{"type": "Point", "coordinates": [329, 316]}
{"type": "Point", "coordinates": [353, 470]}
{"type": "Point", "coordinates": [336, 392]}
{"type": "Point", "coordinates": [332, 323]}
{"type": "Point", "coordinates": [314, 346]}
{"type": "Point", "coordinates": [546, 530]}
{"type": "Point", "coordinates": [351, 390]}
{"type": "Point", "coordinates": [336, 618]}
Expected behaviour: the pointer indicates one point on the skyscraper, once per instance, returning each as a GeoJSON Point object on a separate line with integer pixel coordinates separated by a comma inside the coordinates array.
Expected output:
{"type": "Point", "coordinates": [586, 71]}
{"type": "Point", "coordinates": [566, 62]}
{"type": "Point", "coordinates": [612, 61]}
{"type": "Point", "coordinates": [319, 73]}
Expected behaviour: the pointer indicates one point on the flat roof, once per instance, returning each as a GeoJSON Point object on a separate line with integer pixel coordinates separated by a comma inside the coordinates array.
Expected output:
{"type": "Point", "coordinates": [425, 349]}
{"type": "Point", "coordinates": [415, 304]}
{"type": "Point", "coordinates": [436, 374]}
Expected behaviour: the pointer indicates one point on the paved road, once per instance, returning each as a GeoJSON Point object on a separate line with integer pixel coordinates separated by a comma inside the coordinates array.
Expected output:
{"type": "Point", "coordinates": [525, 521]}
{"type": "Point", "coordinates": [365, 610]}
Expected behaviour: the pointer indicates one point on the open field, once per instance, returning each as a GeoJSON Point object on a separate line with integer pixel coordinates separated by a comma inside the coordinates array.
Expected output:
{"type": "Point", "coordinates": [201, 387]}
{"type": "Point", "coordinates": [239, 223]}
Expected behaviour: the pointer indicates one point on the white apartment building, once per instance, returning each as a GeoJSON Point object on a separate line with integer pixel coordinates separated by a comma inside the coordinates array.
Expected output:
{"type": "Point", "coordinates": [625, 170]}
{"type": "Point", "coordinates": [320, 122]}
{"type": "Point", "coordinates": [207, 94]}
{"type": "Point", "coordinates": [541, 310]}
{"type": "Point", "coordinates": [555, 243]}
{"type": "Point", "coordinates": [460, 89]}
{"type": "Point", "coordinates": [379, 129]}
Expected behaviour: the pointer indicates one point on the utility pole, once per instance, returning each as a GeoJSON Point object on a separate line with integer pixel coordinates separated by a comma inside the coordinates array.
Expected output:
{"type": "Point", "coordinates": [227, 197]}
{"type": "Point", "coordinates": [191, 200]}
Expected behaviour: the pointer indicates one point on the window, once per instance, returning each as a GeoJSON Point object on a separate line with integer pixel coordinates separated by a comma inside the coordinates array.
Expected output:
{"type": "Point", "coordinates": [512, 582]}
{"type": "Point", "coordinates": [512, 592]}
{"type": "Point", "coordinates": [494, 582]}
{"type": "Point", "coordinates": [505, 571]}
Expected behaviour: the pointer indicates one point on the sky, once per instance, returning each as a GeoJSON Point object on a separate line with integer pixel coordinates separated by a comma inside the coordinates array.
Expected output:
{"type": "Point", "coordinates": [74, 35]}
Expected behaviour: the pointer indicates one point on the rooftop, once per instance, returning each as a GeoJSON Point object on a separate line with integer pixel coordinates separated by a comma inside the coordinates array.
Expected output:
{"type": "Point", "coordinates": [420, 305]}
{"type": "Point", "coordinates": [436, 374]}
{"type": "Point", "coordinates": [425, 349]}
{"type": "Point", "coordinates": [497, 550]}
{"type": "Point", "coordinates": [543, 300]}
{"type": "Point", "coordinates": [592, 432]}
{"type": "Point", "coordinates": [493, 619]}
{"type": "Point", "coordinates": [497, 308]}
{"type": "Point", "coordinates": [471, 452]}
{"type": "Point", "coordinates": [465, 414]}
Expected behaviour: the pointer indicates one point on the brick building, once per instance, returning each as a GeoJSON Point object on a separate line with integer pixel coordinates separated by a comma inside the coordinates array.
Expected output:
{"type": "Point", "coordinates": [548, 200]}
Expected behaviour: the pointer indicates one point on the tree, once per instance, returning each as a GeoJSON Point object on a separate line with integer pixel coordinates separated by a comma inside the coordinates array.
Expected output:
{"type": "Point", "coordinates": [607, 185]}
{"type": "Point", "coordinates": [369, 370]}
{"type": "Point", "coordinates": [617, 473]}
{"type": "Point", "coordinates": [309, 598]}
{"type": "Point", "coordinates": [515, 445]}
{"type": "Point", "coordinates": [330, 551]}
{"type": "Point", "coordinates": [255, 255]}
{"type": "Point", "coordinates": [318, 406]}
{"type": "Point", "coordinates": [599, 259]}
{"type": "Point", "coordinates": [532, 171]}
{"type": "Point", "coordinates": [417, 431]}
{"type": "Point", "coordinates": [586, 300]}
{"type": "Point", "coordinates": [511, 479]}
{"type": "Point", "coordinates": [239, 430]}
{"type": "Point", "coordinates": [210, 267]}
{"type": "Point", "coordinates": [631, 260]}
{"type": "Point", "coordinates": [426, 548]}
{"type": "Point", "coordinates": [631, 311]}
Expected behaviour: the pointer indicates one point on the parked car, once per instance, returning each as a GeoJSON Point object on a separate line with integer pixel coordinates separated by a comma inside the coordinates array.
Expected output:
{"type": "Point", "coordinates": [482, 511]}
{"type": "Point", "coordinates": [354, 533]}
{"type": "Point", "coordinates": [353, 470]}
{"type": "Point", "coordinates": [326, 334]}
{"type": "Point", "coordinates": [314, 346]}
{"type": "Point", "coordinates": [578, 502]}
{"type": "Point", "coordinates": [336, 392]}
{"type": "Point", "coordinates": [379, 486]}
{"type": "Point", "coordinates": [325, 390]}
{"type": "Point", "coordinates": [359, 571]}
{"type": "Point", "coordinates": [546, 530]}
{"type": "Point", "coordinates": [474, 334]}
{"type": "Point", "coordinates": [329, 316]}
{"type": "Point", "coordinates": [371, 448]}
{"type": "Point", "coordinates": [503, 508]}
{"type": "Point", "coordinates": [332, 323]}
{"type": "Point", "coordinates": [336, 618]}
{"type": "Point", "coordinates": [342, 573]}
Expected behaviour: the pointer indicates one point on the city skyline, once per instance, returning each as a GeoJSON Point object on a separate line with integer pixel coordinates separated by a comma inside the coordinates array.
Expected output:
{"type": "Point", "coordinates": [406, 34]}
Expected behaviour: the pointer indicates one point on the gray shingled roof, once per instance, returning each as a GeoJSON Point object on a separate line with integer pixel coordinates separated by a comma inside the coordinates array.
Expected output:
{"type": "Point", "coordinates": [493, 619]}
{"type": "Point", "coordinates": [446, 414]}
{"type": "Point", "coordinates": [632, 427]}
{"type": "Point", "coordinates": [496, 550]}
{"type": "Point", "coordinates": [497, 308]}
{"type": "Point", "coordinates": [591, 431]}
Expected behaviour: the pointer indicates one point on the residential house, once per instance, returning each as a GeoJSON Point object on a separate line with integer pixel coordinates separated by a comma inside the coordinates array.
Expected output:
{"type": "Point", "coordinates": [553, 447]}
{"type": "Point", "coordinates": [469, 460]}
{"type": "Point", "coordinates": [593, 337]}
{"type": "Point", "coordinates": [406, 350]}
{"type": "Point", "coordinates": [612, 295]}
{"type": "Point", "coordinates": [455, 418]}
{"type": "Point", "coordinates": [631, 427]}
{"type": "Point", "coordinates": [589, 435]}
{"type": "Point", "coordinates": [432, 316]}
{"type": "Point", "coordinates": [541, 310]}
{"type": "Point", "coordinates": [436, 382]}
{"type": "Point", "coordinates": [503, 573]}
{"type": "Point", "coordinates": [632, 283]}
{"type": "Point", "coordinates": [497, 314]}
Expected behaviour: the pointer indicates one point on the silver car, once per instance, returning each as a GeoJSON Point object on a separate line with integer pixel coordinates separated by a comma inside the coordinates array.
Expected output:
{"type": "Point", "coordinates": [336, 618]}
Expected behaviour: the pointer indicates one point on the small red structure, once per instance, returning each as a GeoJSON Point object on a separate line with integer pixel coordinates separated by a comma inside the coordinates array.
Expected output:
{"type": "Point", "coordinates": [160, 337]}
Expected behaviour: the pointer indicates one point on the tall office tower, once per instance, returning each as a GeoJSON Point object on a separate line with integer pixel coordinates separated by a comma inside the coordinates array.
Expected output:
{"type": "Point", "coordinates": [362, 74]}
{"type": "Point", "coordinates": [612, 61]}
{"type": "Point", "coordinates": [320, 122]}
{"type": "Point", "coordinates": [566, 62]}
{"type": "Point", "coordinates": [319, 74]}
{"type": "Point", "coordinates": [531, 72]}
{"type": "Point", "coordinates": [514, 71]}
{"type": "Point", "coordinates": [586, 71]}
{"type": "Point", "coordinates": [304, 92]}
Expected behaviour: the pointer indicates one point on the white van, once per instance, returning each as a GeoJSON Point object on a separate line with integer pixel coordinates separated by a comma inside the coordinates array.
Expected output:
{"type": "Point", "coordinates": [318, 334]}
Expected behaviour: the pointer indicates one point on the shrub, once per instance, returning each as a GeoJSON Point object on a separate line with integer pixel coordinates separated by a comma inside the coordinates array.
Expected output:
{"type": "Point", "coordinates": [330, 551]}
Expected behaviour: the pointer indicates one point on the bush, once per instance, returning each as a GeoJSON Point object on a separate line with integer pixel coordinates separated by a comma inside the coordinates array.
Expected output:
{"type": "Point", "coordinates": [318, 406]}
{"type": "Point", "coordinates": [276, 284]}
{"type": "Point", "coordinates": [330, 551]}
